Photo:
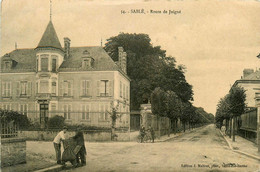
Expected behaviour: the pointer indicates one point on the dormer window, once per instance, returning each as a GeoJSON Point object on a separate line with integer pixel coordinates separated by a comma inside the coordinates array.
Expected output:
{"type": "Point", "coordinates": [85, 52]}
{"type": "Point", "coordinates": [87, 60]}
{"type": "Point", "coordinates": [8, 62]}
{"type": "Point", "coordinates": [7, 65]}
{"type": "Point", "coordinates": [86, 63]}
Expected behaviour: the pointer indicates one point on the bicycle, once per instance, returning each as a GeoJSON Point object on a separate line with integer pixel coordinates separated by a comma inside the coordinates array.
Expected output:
{"type": "Point", "coordinates": [146, 138]}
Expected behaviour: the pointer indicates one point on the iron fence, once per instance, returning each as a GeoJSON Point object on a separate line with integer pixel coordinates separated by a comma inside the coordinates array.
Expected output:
{"type": "Point", "coordinates": [8, 129]}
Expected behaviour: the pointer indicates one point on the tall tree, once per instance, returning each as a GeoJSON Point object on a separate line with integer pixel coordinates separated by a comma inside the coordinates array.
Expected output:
{"type": "Point", "coordinates": [158, 102]}
{"type": "Point", "coordinates": [148, 67]}
{"type": "Point", "coordinates": [173, 103]}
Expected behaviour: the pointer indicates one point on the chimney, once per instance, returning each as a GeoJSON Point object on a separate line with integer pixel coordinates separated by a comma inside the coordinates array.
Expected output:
{"type": "Point", "coordinates": [67, 47]}
{"type": "Point", "coordinates": [247, 72]}
{"type": "Point", "coordinates": [123, 62]}
{"type": "Point", "coordinates": [120, 54]}
{"type": "Point", "coordinates": [122, 59]}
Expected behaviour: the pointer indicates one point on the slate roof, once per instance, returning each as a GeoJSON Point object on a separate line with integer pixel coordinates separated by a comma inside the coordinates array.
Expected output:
{"type": "Point", "coordinates": [253, 76]}
{"type": "Point", "coordinates": [50, 38]}
{"type": "Point", "coordinates": [26, 60]}
{"type": "Point", "coordinates": [102, 61]}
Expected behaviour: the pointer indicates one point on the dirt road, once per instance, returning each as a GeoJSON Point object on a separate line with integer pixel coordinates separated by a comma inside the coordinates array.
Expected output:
{"type": "Point", "coordinates": [203, 149]}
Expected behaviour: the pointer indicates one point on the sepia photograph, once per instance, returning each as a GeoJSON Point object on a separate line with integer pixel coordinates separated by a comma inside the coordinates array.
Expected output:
{"type": "Point", "coordinates": [130, 86]}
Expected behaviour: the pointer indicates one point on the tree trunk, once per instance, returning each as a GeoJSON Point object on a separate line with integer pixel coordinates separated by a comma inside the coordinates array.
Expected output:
{"type": "Point", "coordinates": [113, 130]}
{"type": "Point", "coordinates": [159, 126]}
{"type": "Point", "coordinates": [230, 127]}
{"type": "Point", "coordinates": [175, 126]}
{"type": "Point", "coordinates": [184, 127]}
{"type": "Point", "coordinates": [226, 123]}
{"type": "Point", "coordinates": [233, 129]}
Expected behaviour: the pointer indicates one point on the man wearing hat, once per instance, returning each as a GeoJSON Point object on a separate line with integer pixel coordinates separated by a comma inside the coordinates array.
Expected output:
{"type": "Point", "coordinates": [57, 143]}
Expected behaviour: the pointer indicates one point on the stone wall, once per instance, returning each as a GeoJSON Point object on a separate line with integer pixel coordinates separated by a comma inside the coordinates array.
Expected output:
{"type": "Point", "coordinates": [91, 136]}
{"type": "Point", "coordinates": [13, 151]}
{"type": "Point", "coordinates": [161, 125]}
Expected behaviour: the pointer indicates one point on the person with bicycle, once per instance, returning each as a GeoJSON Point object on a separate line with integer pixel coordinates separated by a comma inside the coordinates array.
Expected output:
{"type": "Point", "coordinates": [151, 130]}
{"type": "Point", "coordinates": [142, 133]}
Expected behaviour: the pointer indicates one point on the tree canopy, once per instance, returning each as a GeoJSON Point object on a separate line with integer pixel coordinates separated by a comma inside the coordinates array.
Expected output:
{"type": "Point", "coordinates": [233, 104]}
{"type": "Point", "coordinates": [149, 68]}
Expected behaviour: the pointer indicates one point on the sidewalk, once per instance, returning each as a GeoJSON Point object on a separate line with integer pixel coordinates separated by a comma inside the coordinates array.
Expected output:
{"type": "Point", "coordinates": [166, 137]}
{"type": "Point", "coordinates": [243, 146]}
{"type": "Point", "coordinates": [34, 162]}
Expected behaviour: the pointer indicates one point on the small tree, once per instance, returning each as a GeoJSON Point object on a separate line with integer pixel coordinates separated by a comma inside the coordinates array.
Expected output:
{"type": "Point", "coordinates": [237, 99]}
{"type": "Point", "coordinates": [114, 116]}
{"type": "Point", "coordinates": [173, 103]}
{"type": "Point", "coordinates": [159, 105]}
{"type": "Point", "coordinates": [56, 122]}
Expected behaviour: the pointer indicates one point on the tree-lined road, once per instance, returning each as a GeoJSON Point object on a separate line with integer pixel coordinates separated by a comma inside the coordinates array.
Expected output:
{"type": "Point", "coordinates": [202, 149]}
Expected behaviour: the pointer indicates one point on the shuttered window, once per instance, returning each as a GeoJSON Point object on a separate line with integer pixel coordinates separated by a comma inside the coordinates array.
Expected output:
{"type": "Point", "coordinates": [67, 111]}
{"type": "Point", "coordinates": [67, 88]}
{"type": "Point", "coordinates": [85, 88]}
{"type": "Point", "coordinates": [85, 111]}
{"type": "Point", "coordinates": [23, 109]}
{"type": "Point", "coordinates": [105, 88]}
{"type": "Point", "coordinates": [6, 89]}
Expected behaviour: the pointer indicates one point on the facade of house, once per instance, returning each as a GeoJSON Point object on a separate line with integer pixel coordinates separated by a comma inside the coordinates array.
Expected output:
{"type": "Point", "coordinates": [79, 83]}
{"type": "Point", "coordinates": [250, 81]}
{"type": "Point", "coordinates": [247, 122]}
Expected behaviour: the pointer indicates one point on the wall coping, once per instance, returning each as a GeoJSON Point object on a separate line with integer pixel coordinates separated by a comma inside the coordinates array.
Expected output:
{"type": "Point", "coordinates": [12, 140]}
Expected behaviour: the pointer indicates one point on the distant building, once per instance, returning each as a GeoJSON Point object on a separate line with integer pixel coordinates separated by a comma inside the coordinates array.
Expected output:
{"type": "Point", "coordinates": [79, 83]}
{"type": "Point", "coordinates": [250, 81]}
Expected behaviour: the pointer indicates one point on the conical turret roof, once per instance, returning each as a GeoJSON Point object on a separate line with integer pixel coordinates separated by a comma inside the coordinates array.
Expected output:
{"type": "Point", "coordinates": [49, 38]}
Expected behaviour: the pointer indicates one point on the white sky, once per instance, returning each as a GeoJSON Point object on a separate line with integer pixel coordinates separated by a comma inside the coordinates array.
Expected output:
{"type": "Point", "coordinates": [214, 39]}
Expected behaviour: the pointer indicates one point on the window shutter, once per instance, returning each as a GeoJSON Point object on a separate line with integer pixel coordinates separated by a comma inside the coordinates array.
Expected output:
{"type": "Point", "coordinates": [65, 111]}
{"type": "Point", "coordinates": [127, 92]}
{"type": "Point", "coordinates": [61, 87]}
{"type": "Point", "coordinates": [88, 88]}
{"type": "Point", "coordinates": [70, 87]}
{"type": "Point", "coordinates": [98, 89]}
{"type": "Point", "coordinates": [110, 84]}
{"type": "Point", "coordinates": [9, 88]}
{"type": "Point", "coordinates": [106, 113]}
{"type": "Point", "coordinates": [3, 88]}
{"type": "Point", "coordinates": [124, 91]}
{"type": "Point", "coordinates": [17, 88]}
{"type": "Point", "coordinates": [21, 108]}
{"type": "Point", "coordinates": [87, 110]}
{"type": "Point", "coordinates": [120, 88]}
{"type": "Point", "coordinates": [26, 109]}
{"type": "Point", "coordinates": [29, 88]}
{"type": "Point", "coordinates": [83, 111]}
{"type": "Point", "coordinates": [102, 111]}
{"type": "Point", "coordinates": [82, 88]}
{"type": "Point", "coordinates": [36, 88]}
{"type": "Point", "coordinates": [69, 110]}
